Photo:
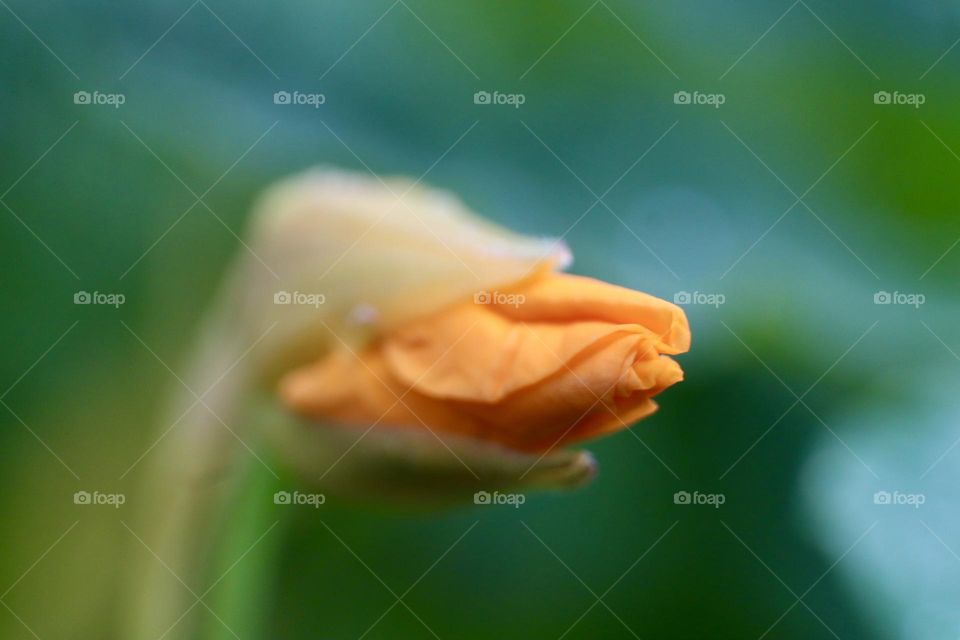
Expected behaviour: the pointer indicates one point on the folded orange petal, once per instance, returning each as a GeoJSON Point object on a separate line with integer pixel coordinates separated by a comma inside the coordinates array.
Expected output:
{"type": "Point", "coordinates": [555, 360]}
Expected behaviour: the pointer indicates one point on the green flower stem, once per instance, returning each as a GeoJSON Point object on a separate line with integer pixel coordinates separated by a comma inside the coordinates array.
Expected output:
{"type": "Point", "coordinates": [209, 498]}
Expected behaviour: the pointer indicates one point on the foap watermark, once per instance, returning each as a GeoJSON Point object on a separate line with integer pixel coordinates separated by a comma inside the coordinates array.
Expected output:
{"type": "Point", "coordinates": [299, 298]}
{"type": "Point", "coordinates": [714, 100]}
{"type": "Point", "coordinates": [512, 499]}
{"type": "Point", "coordinates": [896, 98]}
{"type": "Point", "coordinates": [696, 498]}
{"type": "Point", "coordinates": [699, 297]}
{"type": "Point", "coordinates": [98, 98]}
{"type": "Point", "coordinates": [297, 97]}
{"type": "Point", "coordinates": [499, 297]}
{"type": "Point", "coordinates": [98, 297]}
{"type": "Point", "coordinates": [899, 498]}
{"type": "Point", "coordinates": [97, 498]}
{"type": "Point", "coordinates": [900, 298]}
{"type": "Point", "coordinates": [297, 498]}
{"type": "Point", "coordinates": [512, 99]}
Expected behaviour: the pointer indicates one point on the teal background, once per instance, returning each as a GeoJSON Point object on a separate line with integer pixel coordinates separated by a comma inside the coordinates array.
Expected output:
{"type": "Point", "coordinates": [101, 210]}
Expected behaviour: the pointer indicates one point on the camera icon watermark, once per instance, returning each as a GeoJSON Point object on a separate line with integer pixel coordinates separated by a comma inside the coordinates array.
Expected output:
{"type": "Point", "coordinates": [685, 298]}
{"type": "Point", "coordinates": [314, 500]}
{"type": "Point", "coordinates": [714, 500]}
{"type": "Point", "coordinates": [115, 100]}
{"type": "Point", "coordinates": [96, 297]}
{"type": "Point", "coordinates": [715, 100]}
{"type": "Point", "coordinates": [914, 100]}
{"type": "Point", "coordinates": [299, 298]}
{"type": "Point", "coordinates": [512, 99]}
{"type": "Point", "coordinates": [515, 500]}
{"type": "Point", "coordinates": [500, 298]}
{"type": "Point", "coordinates": [899, 298]}
{"type": "Point", "coordinates": [298, 98]}
{"type": "Point", "coordinates": [897, 498]}
{"type": "Point", "coordinates": [96, 498]}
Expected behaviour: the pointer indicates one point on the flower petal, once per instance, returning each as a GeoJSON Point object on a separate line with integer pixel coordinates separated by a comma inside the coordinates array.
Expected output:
{"type": "Point", "coordinates": [476, 370]}
{"type": "Point", "coordinates": [380, 252]}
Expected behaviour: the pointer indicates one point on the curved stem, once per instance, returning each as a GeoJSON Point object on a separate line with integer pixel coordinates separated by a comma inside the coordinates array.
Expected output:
{"type": "Point", "coordinates": [202, 469]}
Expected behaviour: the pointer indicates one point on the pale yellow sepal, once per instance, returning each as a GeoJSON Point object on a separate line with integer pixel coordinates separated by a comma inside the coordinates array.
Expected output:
{"type": "Point", "coordinates": [357, 255]}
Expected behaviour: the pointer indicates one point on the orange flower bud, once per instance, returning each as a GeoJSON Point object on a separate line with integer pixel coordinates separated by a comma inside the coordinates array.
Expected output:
{"type": "Point", "coordinates": [553, 360]}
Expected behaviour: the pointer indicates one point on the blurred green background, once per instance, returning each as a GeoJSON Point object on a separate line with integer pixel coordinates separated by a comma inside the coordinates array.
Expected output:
{"type": "Point", "coordinates": [803, 396]}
